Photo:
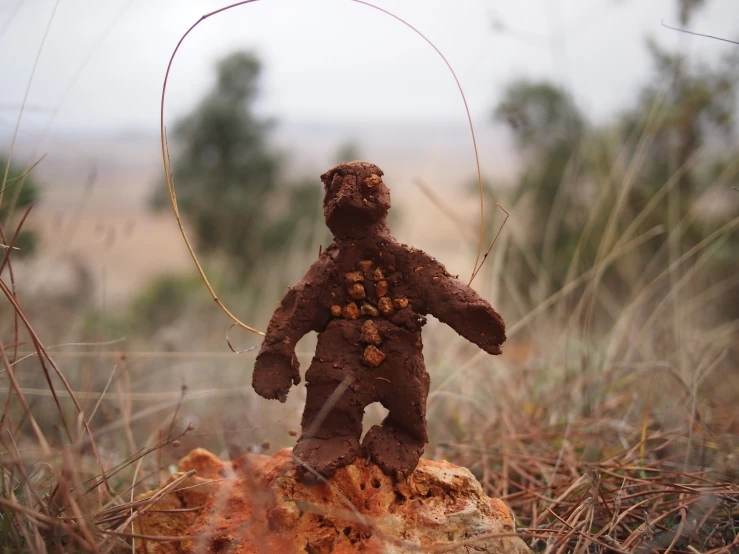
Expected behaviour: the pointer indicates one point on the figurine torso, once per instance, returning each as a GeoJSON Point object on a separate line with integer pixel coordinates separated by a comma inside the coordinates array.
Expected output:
{"type": "Point", "coordinates": [368, 281]}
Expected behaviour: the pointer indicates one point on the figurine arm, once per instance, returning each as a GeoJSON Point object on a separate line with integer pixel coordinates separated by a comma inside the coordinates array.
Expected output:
{"type": "Point", "coordinates": [458, 305]}
{"type": "Point", "coordinates": [276, 368]}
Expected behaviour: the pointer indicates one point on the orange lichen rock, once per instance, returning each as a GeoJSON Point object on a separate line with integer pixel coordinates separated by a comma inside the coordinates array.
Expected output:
{"type": "Point", "coordinates": [396, 287]}
{"type": "Point", "coordinates": [260, 504]}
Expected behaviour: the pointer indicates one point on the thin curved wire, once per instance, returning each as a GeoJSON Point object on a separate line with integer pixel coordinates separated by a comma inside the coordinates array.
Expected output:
{"type": "Point", "coordinates": [168, 165]}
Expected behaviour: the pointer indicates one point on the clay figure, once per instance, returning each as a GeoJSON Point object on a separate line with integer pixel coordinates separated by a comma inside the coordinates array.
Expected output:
{"type": "Point", "coordinates": [366, 296]}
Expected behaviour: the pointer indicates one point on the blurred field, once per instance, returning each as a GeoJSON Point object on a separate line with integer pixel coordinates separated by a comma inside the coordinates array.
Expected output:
{"type": "Point", "coordinates": [94, 213]}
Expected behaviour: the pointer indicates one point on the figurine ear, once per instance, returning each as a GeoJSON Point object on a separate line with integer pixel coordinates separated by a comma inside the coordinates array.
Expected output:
{"type": "Point", "coordinates": [328, 177]}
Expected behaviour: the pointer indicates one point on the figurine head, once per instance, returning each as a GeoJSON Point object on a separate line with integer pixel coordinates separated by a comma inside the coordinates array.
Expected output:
{"type": "Point", "coordinates": [356, 200]}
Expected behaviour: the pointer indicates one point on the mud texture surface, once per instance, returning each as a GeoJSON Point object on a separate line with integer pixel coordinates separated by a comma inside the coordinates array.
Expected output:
{"type": "Point", "coordinates": [259, 504]}
{"type": "Point", "coordinates": [366, 296]}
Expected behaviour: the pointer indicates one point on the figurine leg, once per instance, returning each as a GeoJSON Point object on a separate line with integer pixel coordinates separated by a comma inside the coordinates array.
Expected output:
{"type": "Point", "coordinates": [331, 428]}
{"type": "Point", "coordinates": [397, 444]}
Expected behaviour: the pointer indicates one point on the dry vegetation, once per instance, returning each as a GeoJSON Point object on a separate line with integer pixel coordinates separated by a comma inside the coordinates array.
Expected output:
{"type": "Point", "coordinates": [608, 425]}
{"type": "Point", "coordinates": [602, 438]}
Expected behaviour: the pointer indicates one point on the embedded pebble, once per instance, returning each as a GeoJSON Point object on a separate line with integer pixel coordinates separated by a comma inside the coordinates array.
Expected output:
{"type": "Point", "coordinates": [350, 311]}
{"type": "Point", "coordinates": [373, 356]}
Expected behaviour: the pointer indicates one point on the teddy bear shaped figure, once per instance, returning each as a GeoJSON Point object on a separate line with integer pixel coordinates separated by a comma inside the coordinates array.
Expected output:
{"type": "Point", "coordinates": [366, 296]}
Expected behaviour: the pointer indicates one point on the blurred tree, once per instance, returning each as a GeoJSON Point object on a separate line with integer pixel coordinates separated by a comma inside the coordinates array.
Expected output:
{"type": "Point", "coordinates": [20, 192]}
{"type": "Point", "coordinates": [686, 8]}
{"type": "Point", "coordinates": [224, 170]}
{"type": "Point", "coordinates": [691, 148]}
{"type": "Point", "coordinates": [349, 151]}
{"type": "Point", "coordinates": [696, 103]}
{"type": "Point", "coordinates": [162, 300]}
{"type": "Point", "coordinates": [696, 106]}
{"type": "Point", "coordinates": [300, 219]}
{"type": "Point", "coordinates": [302, 216]}
{"type": "Point", "coordinates": [229, 182]}
{"type": "Point", "coordinates": [542, 116]}
{"type": "Point", "coordinates": [572, 175]}
{"type": "Point", "coordinates": [547, 128]}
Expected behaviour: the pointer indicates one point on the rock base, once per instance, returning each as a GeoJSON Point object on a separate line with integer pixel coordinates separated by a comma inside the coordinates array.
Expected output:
{"type": "Point", "coordinates": [257, 504]}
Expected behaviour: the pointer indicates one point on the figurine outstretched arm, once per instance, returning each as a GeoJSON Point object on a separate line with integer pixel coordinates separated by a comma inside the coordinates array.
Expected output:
{"type": "Point", "coordinates": [300, 311]}
{"type": "Point", "coordinates": [457, 304]}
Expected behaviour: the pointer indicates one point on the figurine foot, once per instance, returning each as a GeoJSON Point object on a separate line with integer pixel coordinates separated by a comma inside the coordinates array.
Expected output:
{"type": "Point", "coordinates": [325, 455]}
{"type": "Point", "coordinates": [395, 451]}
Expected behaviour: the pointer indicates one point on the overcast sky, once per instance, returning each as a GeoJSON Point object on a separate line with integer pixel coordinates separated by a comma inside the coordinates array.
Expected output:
{"type": "Point", "coordinates": [102, 65]}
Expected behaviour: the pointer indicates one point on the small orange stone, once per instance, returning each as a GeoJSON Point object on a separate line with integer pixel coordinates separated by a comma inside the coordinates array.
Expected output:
{"type": "Point", "coordinates": [354, 276]}
{"type": "Point", "coordinates": [400, 303]}
{"type": "Point", "coordinates": [385, 305]}
{"type": "Point", "coordinates": [350, 311]}
{"type": "Point", "coordinates": [370, 333]}
{"type": "Point", "coordinates": [356, 291]}
{"type": "Point", "coordinates": [366, 265]}
{"type": "Point", "coordinates": [378, 275]}
{"type": "Point", "coordinates": [373, 180]}
{"type": "Point", "coordinates": [336, 310]}
{"type": "Point", "coordinates": [381, 288]}
{"type": "Point", "coordinates": [373, 356]}
{"type": "Point", "coordinates": [369, 309]}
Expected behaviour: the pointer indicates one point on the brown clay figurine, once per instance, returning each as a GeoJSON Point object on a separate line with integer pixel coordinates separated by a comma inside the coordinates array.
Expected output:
{"type": "Point", "coordinates": [366, 296]}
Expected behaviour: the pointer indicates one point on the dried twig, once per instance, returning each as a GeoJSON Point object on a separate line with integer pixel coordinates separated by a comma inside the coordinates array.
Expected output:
{"type": "Point", "coordinates": [679, 30]}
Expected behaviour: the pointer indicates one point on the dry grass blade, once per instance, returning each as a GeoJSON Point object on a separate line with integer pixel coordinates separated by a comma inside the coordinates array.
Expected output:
{"type": "Point", "coordinates": [44, 356]}
{"type": "Point", "coordinates": [686, 31]}
{"type": "Point", "coordinates": [146, 505]}
{"type": "Point", "coordinates": [23, 175]}
{"type": "Point", "coordinates": [19, 393]}
{"type": "Point", "coordinates": [173, 198]}
{"type": "Point", "coordinates": [440, 205]}
{"type": "Point", "coordinates": [230, 346]}
{"type": "Point", "coordinates": [633, 503]}
{"type": "Point", "coordinates": [11, 246]}
{"type": "Point", "coordinates": [490, 248]}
